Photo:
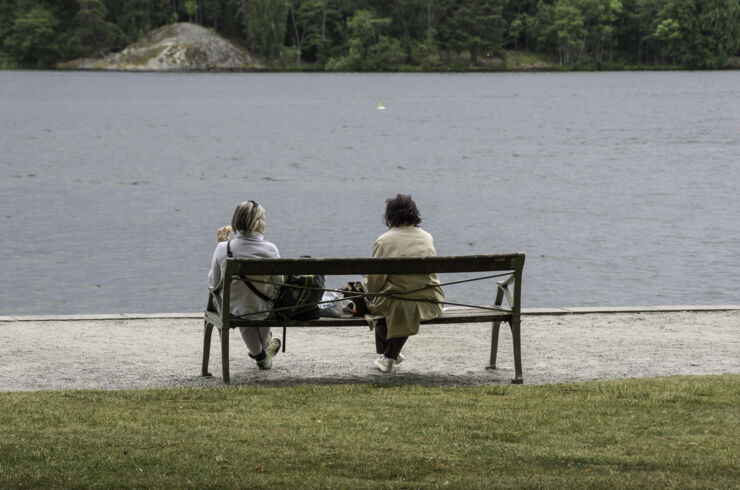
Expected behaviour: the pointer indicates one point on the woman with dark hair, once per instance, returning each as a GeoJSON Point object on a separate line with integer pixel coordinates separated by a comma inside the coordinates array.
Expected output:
{"type": "Point", "coordinates": [248, 225]}
{"type": "Point", "coordinates": [394, 319]}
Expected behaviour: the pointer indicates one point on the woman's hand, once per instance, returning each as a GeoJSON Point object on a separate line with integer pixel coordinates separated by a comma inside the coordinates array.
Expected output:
{"type": "Point", "coordinates": [224, 233]}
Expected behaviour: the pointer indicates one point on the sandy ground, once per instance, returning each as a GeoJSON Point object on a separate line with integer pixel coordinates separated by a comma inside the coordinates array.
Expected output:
{"type": "Point", "coordinates": [166, 352]}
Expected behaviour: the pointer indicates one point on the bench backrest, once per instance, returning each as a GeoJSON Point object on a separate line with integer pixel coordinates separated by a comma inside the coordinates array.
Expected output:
{"type": "Point", "coordinates": [513, 263]}
{"type": "Point", "coordinates": [392, 265]}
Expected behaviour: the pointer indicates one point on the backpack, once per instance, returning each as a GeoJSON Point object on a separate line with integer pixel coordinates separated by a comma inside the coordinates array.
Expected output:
{"type": "Point", "coordinates": [300, 302]}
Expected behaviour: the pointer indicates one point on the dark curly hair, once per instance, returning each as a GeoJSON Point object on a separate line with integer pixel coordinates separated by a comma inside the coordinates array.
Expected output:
{"type": "Point", "coordinates": [401, 211]}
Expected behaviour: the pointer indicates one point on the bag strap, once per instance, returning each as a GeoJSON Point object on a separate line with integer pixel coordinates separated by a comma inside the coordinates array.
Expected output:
{"type": "Point", "coordinates": [254, 289]}
{"type": "Point", "coordinates": [244, 279]}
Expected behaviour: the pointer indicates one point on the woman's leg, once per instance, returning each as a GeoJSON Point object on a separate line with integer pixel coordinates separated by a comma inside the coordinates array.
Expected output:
{"type": "Point", "coordinates": [253, 339]}
{"type": "Point", "coordinates": [394, 347]}
{"type": "Point", "coordinates": [264, 333]}
{"type": "Point", "coordinates": [390, 348]}
{"type": "Point", "coordinates": [381, 330]}
{"type": "Point", "coordinates": [259, 345]}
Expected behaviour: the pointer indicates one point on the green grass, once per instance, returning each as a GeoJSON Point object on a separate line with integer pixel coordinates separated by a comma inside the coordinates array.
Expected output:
{"type": "Point", "coordinates": [665, 432]}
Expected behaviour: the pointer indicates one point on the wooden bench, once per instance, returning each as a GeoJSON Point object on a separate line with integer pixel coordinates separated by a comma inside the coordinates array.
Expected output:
{"type": "Point", "coordinates": [509, 265]}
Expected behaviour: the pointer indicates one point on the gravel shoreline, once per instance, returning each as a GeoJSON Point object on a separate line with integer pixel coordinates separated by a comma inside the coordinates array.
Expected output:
{"type": "Point", "coordinates": [165, 352]}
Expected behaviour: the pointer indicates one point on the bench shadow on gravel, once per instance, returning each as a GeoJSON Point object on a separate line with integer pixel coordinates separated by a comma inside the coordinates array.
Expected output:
{"type": "Point", "coordinates": [498, 377]}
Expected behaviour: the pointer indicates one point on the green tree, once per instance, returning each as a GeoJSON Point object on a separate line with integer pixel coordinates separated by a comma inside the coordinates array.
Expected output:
{"type": "Point", "coordinates": [417, 23]}
{"type": "Point", "coordinates": [609, 21]}
{"type": "Point", "coordinates": [136, 18]}
{"type": "Point", "coordinates": [265, 22]}
{"type": "Point", "coordinates": [191, 8]}
{"type": "Point", "coordinates": [411, 22]}
{"type": "Point", "coordinates": [668, 34]}
{"type": "Point", "coordinates": [368, 48]}
{"type": "Point", "coordinates": [226, 19]}
{"type": "Point", "coordinates": [306, 19]}
{"type": "Point", "coordinates": [210, 13]}
{"type": "Point", "coordinates": [599, 17]}
{"type": "Point", "coordinates": [698, 33]}
{"type": "Point", "coordinates": [7, 14]}
{"type": "Point", "coordinates": [34, 40]}
{"type": "Point", "coordinates": [331, 39]}
{"type": "Point", "coordinates": [519, 31]}
{"type": "Point", "coordinates": [638, 26]}
{"type": "Point", "coordinates": [520, 17]}
{"type": "Point", "coordinates": [93, 34]}
{"type": "Point", "coordinates": [423, 27]}
{"type": "Point", "coordinates": [566, 28]}
{"type": "Point", "coordinates": [479, 26]}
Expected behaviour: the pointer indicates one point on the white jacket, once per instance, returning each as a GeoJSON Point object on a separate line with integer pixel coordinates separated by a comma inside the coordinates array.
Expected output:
{"type": "Point", "coordinates": [242, 299]}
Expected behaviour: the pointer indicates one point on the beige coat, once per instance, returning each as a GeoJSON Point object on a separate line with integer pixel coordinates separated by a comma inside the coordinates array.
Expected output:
{"type": "Point", "coordinates": [402, 316]}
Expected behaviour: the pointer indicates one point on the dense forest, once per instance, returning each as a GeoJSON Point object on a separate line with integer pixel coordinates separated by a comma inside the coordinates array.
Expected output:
{"type": "Point", "coordinates": [389, 34]}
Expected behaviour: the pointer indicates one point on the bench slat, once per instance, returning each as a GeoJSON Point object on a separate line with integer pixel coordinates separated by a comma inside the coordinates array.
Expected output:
{"type": "Point", "coordinates": [457, 315]}
{"type": "Point", "coordinates": [388, 265]}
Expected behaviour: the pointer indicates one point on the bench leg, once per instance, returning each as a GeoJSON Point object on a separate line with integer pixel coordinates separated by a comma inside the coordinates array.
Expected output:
{"type": "Point", "coordinates": [516, 338]}
{"type": "Point", "coordinates": [208, 330]}
{"type": "Point", "coordinates": [494, 334]}
{"type": "Point", "coordinates": [225, 354]}
{"type": "Point", "coordinates": [494, 345]}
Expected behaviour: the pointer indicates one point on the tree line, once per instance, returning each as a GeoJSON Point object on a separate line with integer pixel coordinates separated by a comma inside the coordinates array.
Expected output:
{"type": "Point", "coordinates": [366, 35]}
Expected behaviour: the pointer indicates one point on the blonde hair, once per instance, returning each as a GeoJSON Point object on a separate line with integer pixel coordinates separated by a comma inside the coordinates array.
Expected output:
{"type": "Point", "coordinates": [249, 217]}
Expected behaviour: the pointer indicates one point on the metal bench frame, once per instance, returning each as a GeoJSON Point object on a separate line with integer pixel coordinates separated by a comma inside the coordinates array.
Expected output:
{"type": "Point", "coordinates": [510, 289]}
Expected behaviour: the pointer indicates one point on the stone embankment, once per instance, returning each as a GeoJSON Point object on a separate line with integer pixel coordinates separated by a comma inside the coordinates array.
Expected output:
{"type": "Point", "coordinates": [176, 47]}
{"type": "Point", "coordinates": [559, 345]}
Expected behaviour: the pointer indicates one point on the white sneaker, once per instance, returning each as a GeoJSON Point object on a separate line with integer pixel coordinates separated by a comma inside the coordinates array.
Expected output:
{"type": "Point", "coordinates": [399, 359]}
{"type": "Point", "coordinates": [384, 364]}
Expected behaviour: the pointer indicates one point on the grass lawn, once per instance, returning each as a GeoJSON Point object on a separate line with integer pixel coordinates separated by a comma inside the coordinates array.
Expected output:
{"type": "Point", "coordinates": [664, 432]}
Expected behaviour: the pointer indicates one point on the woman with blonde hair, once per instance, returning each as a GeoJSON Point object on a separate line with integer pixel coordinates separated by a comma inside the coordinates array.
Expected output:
{"type": "Point", "coordinates": [247, 228]}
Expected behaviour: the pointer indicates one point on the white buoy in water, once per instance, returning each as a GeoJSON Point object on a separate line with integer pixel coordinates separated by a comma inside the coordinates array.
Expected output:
{"type": "Point", "coordinates": [381, 107]}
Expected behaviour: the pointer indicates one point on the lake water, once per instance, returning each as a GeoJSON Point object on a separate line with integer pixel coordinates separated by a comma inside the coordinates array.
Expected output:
{"type": "Point", "coordinates": [621, 188]}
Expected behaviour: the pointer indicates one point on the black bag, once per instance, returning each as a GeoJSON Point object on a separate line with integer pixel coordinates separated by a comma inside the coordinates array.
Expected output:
{"type": "Point", "coordinates": [355, 290]}
{"type": "Point", "coordinates": [301, 302]}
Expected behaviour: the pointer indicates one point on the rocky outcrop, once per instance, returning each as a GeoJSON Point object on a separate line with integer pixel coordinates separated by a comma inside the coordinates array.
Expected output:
{"type": "Point", "coordinates": [176, 47]}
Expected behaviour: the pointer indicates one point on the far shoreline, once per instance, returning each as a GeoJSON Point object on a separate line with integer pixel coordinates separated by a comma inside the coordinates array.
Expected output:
{"type": "Point", "coordinates": [387, 72]}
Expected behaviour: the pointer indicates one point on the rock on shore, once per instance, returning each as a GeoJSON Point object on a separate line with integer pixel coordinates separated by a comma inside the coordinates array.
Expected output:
{"type": "Point", "coordinates": [176, 47]}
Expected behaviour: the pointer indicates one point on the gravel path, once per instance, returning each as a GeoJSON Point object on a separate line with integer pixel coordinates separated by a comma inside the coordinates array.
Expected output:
{"type": "Point", "coordinates": [166, 352]}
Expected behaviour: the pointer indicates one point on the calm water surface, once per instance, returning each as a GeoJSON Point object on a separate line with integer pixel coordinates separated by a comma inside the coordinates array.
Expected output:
{"type": "Point", "coordinates": [621, 188]}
